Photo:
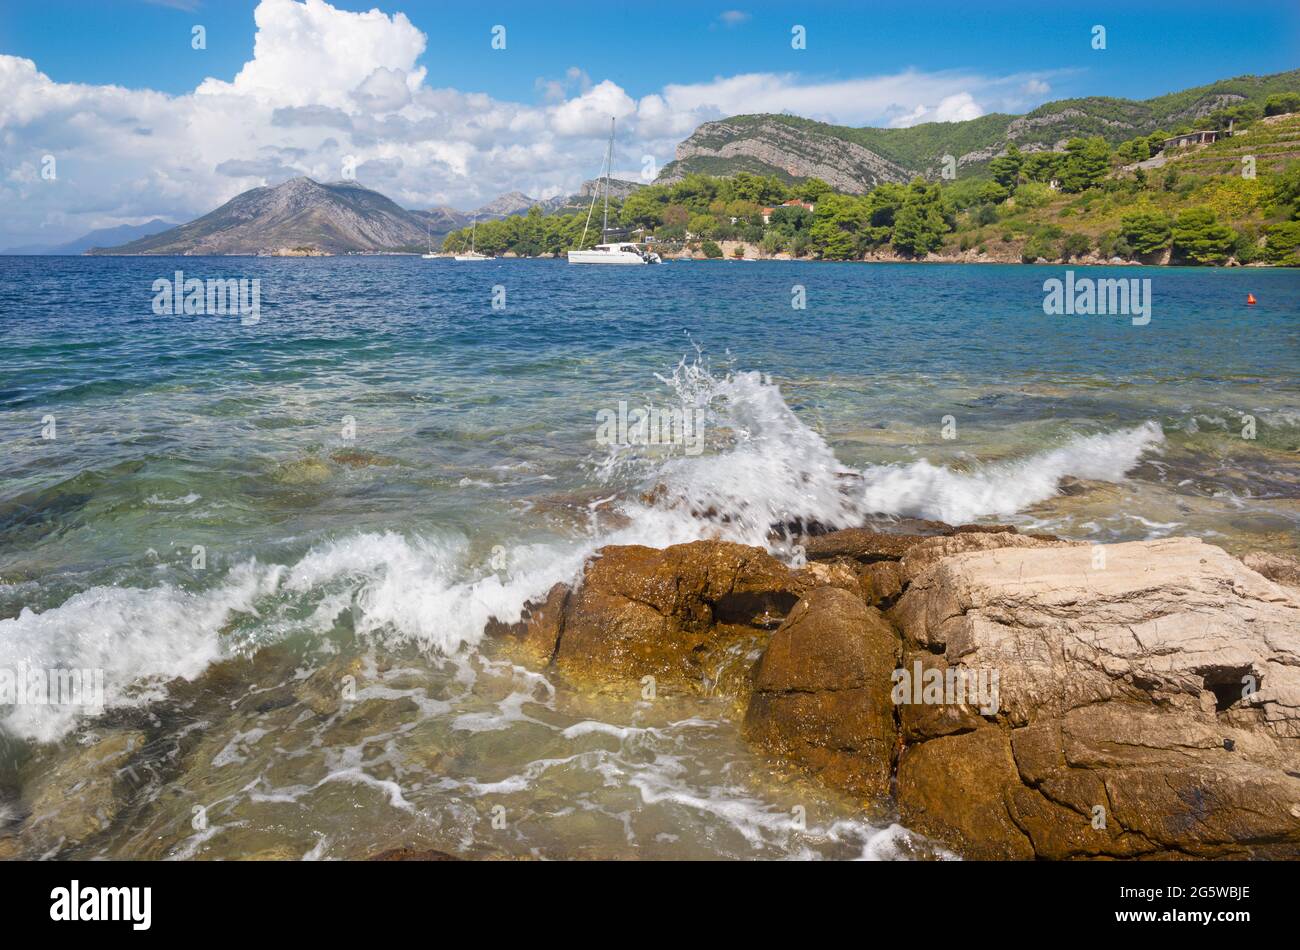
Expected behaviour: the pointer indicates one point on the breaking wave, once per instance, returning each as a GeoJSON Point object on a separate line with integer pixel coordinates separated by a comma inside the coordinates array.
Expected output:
{"type": "Point", "coordinates": [764, 467]}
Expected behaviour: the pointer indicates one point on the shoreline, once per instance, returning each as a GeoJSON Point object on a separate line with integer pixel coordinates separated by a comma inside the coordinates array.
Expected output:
{"type": "Point", "coordinates": [701, 258]}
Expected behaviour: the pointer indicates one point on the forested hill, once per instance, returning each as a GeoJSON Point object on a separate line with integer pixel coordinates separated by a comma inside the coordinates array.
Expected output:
{"type": "Point", "coordinates": [854, 160]}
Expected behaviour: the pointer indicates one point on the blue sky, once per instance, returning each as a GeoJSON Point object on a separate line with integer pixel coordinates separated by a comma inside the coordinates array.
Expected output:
{"type": "Point", "coordinates": [1152, 47]}
{"type": "Point", "coordinates": [108, 116]}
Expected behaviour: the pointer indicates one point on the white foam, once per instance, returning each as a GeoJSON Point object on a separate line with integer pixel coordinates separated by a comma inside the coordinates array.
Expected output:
{"type": "Point", "coordinates": [923, 490]}
{"type": "Point", "coordinates": [138, 637]}
{"type": "Point", "coordinates": [764, 467]}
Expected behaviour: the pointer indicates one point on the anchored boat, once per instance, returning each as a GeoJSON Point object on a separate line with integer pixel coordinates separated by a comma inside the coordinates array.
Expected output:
{"type": "Point", "coordinates": [618, 252]}
{"type": "Point", "coordinates": [472, 254]}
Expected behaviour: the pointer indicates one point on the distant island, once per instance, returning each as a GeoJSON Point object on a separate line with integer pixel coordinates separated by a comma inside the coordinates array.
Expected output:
{"type": "Point", "coordinates": [1203, 176]}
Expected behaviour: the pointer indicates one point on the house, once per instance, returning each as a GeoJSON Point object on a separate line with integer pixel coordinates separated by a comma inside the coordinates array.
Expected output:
{"type": "Point", "coordinates": [1204, 137]}
{"type": "Point", "coordinates": [792, 203]}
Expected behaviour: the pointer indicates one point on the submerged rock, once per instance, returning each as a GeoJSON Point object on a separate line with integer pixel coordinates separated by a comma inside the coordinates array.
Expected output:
{"type": "Point", "coordinates": [409, 854]}
{"type": "Point", "coordinates": [81, 795]}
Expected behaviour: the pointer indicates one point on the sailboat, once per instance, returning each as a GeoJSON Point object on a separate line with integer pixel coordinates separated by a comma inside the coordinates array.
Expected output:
{"type": "Point", "coordinates": [428, 236]}
{"type": "Point", "coordinates": [626, 252]}
{"type": "Point", "coordinates": [472, 255]}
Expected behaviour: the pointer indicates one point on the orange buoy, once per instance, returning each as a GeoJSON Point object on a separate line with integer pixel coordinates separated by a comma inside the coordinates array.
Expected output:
{"type": "Point", "coordinates": [1250, 298]}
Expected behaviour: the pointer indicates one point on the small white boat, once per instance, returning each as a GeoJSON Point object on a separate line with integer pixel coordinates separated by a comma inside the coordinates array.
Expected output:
{"type": "Point", "coordinates": [428, 237]}
{"type": "Point", "coordinates": [613, 254]}
{"type": "Point", "coordinates": [621, 252]}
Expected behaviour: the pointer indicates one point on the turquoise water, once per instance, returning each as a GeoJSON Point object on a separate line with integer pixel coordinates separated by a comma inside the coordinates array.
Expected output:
{"type": "Point", "coordinates": [384, 461]}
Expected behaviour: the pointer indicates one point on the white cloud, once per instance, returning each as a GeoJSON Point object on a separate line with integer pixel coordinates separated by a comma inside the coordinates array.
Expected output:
{"type": "Point", "coordinates": [325, 84]}
{"type": "Point", "coordinates": [731, 18]}
{"type": "Point", "coordinates": [384, 90]}
{"type": "Point", "coordinates": [958, 107]}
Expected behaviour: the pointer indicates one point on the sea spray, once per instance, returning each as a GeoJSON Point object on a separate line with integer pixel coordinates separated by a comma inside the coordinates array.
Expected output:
{"type": "Point", "coordinates": [923, 490]}
{"type": "Point", "coordinates": [763, 467]}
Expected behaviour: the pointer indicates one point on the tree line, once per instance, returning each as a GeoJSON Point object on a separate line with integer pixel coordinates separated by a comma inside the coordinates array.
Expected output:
{"type": "Point", "coordinates": [922, 217]}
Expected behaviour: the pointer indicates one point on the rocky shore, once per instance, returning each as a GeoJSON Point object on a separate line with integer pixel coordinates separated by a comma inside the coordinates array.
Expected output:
{"type": "Point", "coordinates": [1146, 695]}
{"type": "Point", "coordinates": [1009, 696]}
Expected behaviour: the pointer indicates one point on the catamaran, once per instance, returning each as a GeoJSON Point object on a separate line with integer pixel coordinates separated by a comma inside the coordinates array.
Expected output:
{"type": "Point", "coordinates": [472, 255]}
{"type": "Point", "coordinates": [620, 252]}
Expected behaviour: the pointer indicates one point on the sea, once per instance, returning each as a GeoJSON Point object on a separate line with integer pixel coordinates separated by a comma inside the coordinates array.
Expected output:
{"type": "Point", "coordinates": [224, 513]}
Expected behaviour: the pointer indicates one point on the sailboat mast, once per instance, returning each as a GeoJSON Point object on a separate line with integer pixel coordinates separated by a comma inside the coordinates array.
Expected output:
{"type": "Point", "coordinates": [609, 162]}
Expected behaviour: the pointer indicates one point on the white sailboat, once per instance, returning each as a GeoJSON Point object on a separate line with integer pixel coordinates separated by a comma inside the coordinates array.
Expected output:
{"type": "Point", "coordinates": [428, 237]}
{"type": "Point", "coordinates": [472, 254]}
{"type": "Point", "coordinates": [622, 252]}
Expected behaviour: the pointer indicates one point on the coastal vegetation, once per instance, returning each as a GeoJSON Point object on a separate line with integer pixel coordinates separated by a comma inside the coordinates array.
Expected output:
{"type": "Point", "coordinates": [1236, 200]}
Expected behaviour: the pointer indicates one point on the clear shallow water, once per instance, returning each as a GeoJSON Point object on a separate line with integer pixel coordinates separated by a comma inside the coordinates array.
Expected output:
{"type": "Point", "coordinates": [474, 481]}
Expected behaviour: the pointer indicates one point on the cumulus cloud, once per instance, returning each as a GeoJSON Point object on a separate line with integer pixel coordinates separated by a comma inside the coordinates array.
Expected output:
{"type": "Point", "coordinates": [955, 108]}
{"type": "Point", "coordinates": [124, 156]}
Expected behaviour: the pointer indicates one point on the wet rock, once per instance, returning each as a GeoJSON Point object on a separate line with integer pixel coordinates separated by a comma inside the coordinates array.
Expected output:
{"type": "Point", "coordinates": [880, 583]}
{"type": "Point", "coordinates": [821, 692]}
{"type": "Point", "coordinates": [929, 551]}
{"type": "Point", "coordinates": [408, 854]}
{"type": "Point", "coordinates": [921, 720]}
{"type": "Point", "coordinates": [955, 788]}
{"type": "Point", "coordinates": [861, 544]}
{"type": "Point", "coordinates": [356, 458]}
{"type": "Point", "coordinates": [369, 719]}
{"type": "Point", "coordinates": [80, 794]}
{"type": "Point", "coordinates": [1281, 568]}
{"type": "Point", "coordinates": [669, 613]}
{"type": "Point", "coordinates": [538, 634]}
{"type": "Point", "coordinates": [837, 573]}
{"type": "Point", "coordinates": [1149, 705]}
{"type": "Point", "coordinates": [323, 692]}
{"type": "Point", "coordinates": [307, 471]}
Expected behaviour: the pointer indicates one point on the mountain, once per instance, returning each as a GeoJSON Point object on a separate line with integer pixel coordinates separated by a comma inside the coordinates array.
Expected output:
{"type": "Point", "coordinates": [104, 237]}
{"type": "Point", "coordinates": [336, 218]}
{"type": "Point", "coordinates": [568, 204]}
{"type": "Point", "coordinates": [443, 219]}
{"type": "Point", "coordinates": [511, 203]}
{"type": "Point", "coordinates": [856, 159]}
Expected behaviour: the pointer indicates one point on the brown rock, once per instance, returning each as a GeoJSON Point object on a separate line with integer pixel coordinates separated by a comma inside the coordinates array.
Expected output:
{"type": "Point", "coordinates": [837, 573]}
{"type": "Point", "coordinates": [539, 632]}
{"type": "Point", "coordinates": [919, 721]}
{"type": "Point", "coordinates": [409, 854]}
{"type": "Point", "coordinates": [955, 788]}
{"type": "Point", "coordinates": [881, 582]}
{"type": "Point", "coordinates": [671, 613]}
{"type": "Point", "coordinates": [81, 794]}
{"type": "Point", "coordinates": [861, 544]}
{"type": "Point", "coordinates": [1281, 568]}
{"type": "Point", "coordinates": [929, 551]}
{"type": "Point", "coordinates": [1156, 691]}
{"type": "Point", "coordinates": [821, 692]}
